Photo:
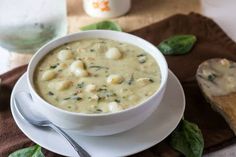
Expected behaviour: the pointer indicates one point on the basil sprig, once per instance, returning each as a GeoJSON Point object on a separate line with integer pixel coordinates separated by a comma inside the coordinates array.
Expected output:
{"type": "Point", "coordinates": [33, 151]}
{"type": "Point", "coordinates": [187, 138]}
{"type": "Point", "coordinates": [177, 45]}
{"type": "Point", "coordinates": [104, 25]}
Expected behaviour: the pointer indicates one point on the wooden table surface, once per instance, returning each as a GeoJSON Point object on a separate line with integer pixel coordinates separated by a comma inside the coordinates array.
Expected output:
{"type": "Point", "coordinates": [142, 13]}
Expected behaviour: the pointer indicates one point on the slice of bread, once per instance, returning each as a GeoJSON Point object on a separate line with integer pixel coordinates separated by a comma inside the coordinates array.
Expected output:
{"type": "Point", "coordinates": [217, 80]}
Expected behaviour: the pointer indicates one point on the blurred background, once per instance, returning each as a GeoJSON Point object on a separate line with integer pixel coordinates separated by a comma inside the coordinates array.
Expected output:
{"type": "Point", "coordinates": [25, 27]}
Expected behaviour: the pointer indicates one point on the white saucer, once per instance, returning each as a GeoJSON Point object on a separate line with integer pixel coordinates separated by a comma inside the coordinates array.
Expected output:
{"type": "Point", "coordinates": [157, 127]}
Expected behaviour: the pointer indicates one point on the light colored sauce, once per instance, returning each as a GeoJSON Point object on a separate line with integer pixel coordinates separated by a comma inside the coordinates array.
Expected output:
{"type": "Point", "coordinates": [217, 76]}
{"type": "Point", "coordinates": [96, 76]}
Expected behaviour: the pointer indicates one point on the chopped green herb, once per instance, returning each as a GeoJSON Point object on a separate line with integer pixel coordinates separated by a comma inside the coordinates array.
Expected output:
{"type": "Point", "coordinates": [85, 66]}
{"type": "Point", "coordinates": [101, 89]}
{"type": "Point", "coordinates": [141, 55]}
{"type": "Point", "coordinates": [131, 80]}
{"type": "Point", "coordinates": [68, 48]}
{"type": "Point", "coordinates": [99, 99]}
{"type": "Point", "coordinates": [92, 50]}
{"type": "Point", "coordinates": [67, 98]}
{"type": "Point", "coordinates": [211, 77]}
{"type": "Point", "coordinates": [50, 93]}
{"type": "Point", "coordinates": [78, 98]}
{"type": "Point", "coordinates": [116, 100]}
{"type": "Point", "coordinates": [80, 85]}
{"type": "Point", "coordinates": [105, 94]}
{"type": "Point", "coordinates": [54, 66]}
{"type": "Point", "coordinates": [98, 110]}
{"type": "Point", "coordinates": [97, 67]}
{"type": "Point", "coordinates": [110, 94]}
{"type": "Point", "coordinates": [151, 80]}
{"type": "Point", "coordinates": [73, 97]}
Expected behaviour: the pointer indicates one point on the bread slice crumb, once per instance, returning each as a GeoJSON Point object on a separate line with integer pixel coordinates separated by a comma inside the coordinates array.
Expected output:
{"type": "Point", "coordinates": [219, 87]}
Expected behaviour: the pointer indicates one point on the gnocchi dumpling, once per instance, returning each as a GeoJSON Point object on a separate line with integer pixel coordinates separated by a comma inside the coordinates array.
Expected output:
{"type": "Point", "coordinates": [62, 66]}
{"type": "Point", "coordinates": [65, 55]}
{"type": "Point", "coordinates": [80, 73]}
{"type": "Point", "coordinates": [77, 68]}
{"type": "Point", "coordinates": [59, 85]}
{"type": "Point", "coordinates": [115, 79]}
{"type": "Point", "coordinates": [144, 81]}
{"type": "Point", "coordinates": [114, 107]}
{"type": "Point", "coordinates": [133, 97]}
{"type": "Point", "coordinates": [62, 85]}
{"type": "Point", "coordinates": [90, 88]}
{"type": "Point", "coordinates": [113, 53]}
{"type": "Point", "coordinates": [94, 97]}
{"type": "Point", "coordinates": [76, 65]}
{"type": "Point", "coordinates": [48, 75]}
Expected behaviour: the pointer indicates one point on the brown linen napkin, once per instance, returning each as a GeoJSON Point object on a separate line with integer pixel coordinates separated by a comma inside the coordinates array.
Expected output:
{"type": "Point", "coordinates": [212, 42]}
{"type": "Point", "coordinates": [11, 138]}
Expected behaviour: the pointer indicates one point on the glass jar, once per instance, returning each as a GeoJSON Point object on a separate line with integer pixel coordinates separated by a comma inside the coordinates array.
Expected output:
{"type": "Point", "coordinates": [106, 8]}
{"type": "Point", "coordinates": [26, 25]}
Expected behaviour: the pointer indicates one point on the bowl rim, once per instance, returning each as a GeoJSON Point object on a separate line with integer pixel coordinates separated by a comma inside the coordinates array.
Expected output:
{"type": "Point", "coordinates": [66, 38]}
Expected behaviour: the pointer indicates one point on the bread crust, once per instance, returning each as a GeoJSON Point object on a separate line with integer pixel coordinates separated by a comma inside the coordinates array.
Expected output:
{"type": "Point", "coordinates": [223, 104]}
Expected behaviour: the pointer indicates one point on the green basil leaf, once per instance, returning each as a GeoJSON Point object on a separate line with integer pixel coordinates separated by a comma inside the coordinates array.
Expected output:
{"type": "Point", "coordinates": [33, 151]}
{"type": "Point", "coordinates": [187, 138]}
{"type": "Point", "coordinates": [104, 25]}
{"type": "Point", "coordinates": [177, 45]}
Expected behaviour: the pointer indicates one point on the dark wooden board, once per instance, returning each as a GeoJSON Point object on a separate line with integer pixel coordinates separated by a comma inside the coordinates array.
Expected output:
{"type": "Point", "coordinates": [212, 42]}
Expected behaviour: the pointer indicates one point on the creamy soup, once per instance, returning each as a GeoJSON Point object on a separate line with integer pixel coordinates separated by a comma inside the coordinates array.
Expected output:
{"type": "Point", "coordinates": [96, 76]}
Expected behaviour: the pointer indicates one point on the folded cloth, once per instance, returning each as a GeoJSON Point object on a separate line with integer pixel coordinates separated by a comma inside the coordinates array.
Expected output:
{"type": "Point", "coordinates": [212, 42]}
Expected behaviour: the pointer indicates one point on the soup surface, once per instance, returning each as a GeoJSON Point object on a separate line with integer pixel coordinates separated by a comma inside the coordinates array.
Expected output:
{"type": "Point", "coordinates": [96, 76]}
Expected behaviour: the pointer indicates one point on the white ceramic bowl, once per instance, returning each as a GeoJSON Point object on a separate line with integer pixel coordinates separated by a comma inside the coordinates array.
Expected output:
{"type": "Point", "coordinates": [99, 124]}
